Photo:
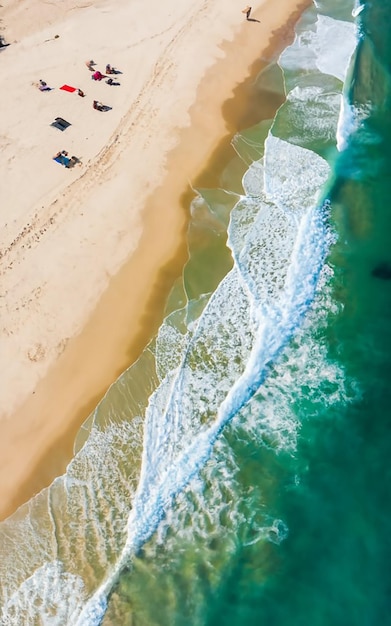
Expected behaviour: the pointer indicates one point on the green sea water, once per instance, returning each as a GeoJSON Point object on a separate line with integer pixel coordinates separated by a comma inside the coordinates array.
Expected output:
{"type": "Point", "coordinates": [238, 473]}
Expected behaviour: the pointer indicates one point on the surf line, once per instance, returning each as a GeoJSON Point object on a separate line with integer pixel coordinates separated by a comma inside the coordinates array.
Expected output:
{"type": "Point", "coordinates": [151, 502]}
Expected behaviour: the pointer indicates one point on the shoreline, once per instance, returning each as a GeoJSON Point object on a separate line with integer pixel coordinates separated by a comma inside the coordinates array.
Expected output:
{"type": "Point", "coordinates": [104, 347]}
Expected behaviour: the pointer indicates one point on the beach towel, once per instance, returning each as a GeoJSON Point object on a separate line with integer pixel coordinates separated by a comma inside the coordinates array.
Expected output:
{"type": "Point", "coordinates": [60, 123]}
{"type": "Point", "coordinates": [62, 159]}
{"type": "Point", "coordinates": [68, 88]}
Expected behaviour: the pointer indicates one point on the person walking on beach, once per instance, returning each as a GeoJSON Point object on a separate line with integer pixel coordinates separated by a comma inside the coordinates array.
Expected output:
{"type": "Point", "coordinates": [247, 11]}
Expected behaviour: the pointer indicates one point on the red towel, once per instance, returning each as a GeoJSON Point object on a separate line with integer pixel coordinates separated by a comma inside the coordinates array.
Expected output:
{"type": "Point", "coordinates": [68, 88]}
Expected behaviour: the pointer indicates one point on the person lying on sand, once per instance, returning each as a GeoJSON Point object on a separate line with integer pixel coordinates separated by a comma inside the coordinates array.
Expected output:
{"type": "Point", "coordinates": [110, 81]}
{"type": "Point", "coordinates": [111, 70]}
{"type": "Point", "coordinates": [98, 105]}
{"type": "Point", "coordinates": [90, 65]}
{"type": "Point", "coordinates": [72, 161]}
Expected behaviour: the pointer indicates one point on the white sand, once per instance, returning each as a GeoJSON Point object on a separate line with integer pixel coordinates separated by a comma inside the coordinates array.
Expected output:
{"type": "Point", "coordinates": [65, 233]}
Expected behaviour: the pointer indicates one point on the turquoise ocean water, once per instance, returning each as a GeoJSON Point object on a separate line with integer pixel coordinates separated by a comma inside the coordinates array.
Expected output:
{"type": "Point", "coordinates": [239, 472]}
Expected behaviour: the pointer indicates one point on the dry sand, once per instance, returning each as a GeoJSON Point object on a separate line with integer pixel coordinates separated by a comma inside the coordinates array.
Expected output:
{"type": "Point", "coordinates": [87, 254]}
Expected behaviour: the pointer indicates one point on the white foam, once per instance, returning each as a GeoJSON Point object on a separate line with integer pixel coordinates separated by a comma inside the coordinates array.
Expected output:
{"type": "Point", "coordinates": [311, 114]}
{"type": "Point", "coordinates": [327, 48]}
{"type": "Point", "coordinates": [294, 176]}
{"type": "Point", "coordinates": [334, 45]}
{"type": "Point", "coordinates": [358, 9]}
{"type": "Point", "coordinates": [351, 118]}
{"type": "Point", "coordinates": [51, 597]}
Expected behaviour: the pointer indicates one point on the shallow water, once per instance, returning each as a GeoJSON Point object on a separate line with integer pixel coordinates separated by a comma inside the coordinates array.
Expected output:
{"type": "Point", "coordinates": [238, 472]}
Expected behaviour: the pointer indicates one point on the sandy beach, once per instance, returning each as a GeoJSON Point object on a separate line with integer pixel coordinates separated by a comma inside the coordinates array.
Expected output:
{"type": "Point", "coordinates": [88, 253]}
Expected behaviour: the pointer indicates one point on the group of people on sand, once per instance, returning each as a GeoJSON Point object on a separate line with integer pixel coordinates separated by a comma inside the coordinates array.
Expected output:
{"type": "Point", "coordinates": [97, 75]}
{"type": "Point", "coordinates": [63, 158]}
{"type": "Point", "coordinates": [109, 69]}
{"type": "Point", "coordinates": [43, 86]}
